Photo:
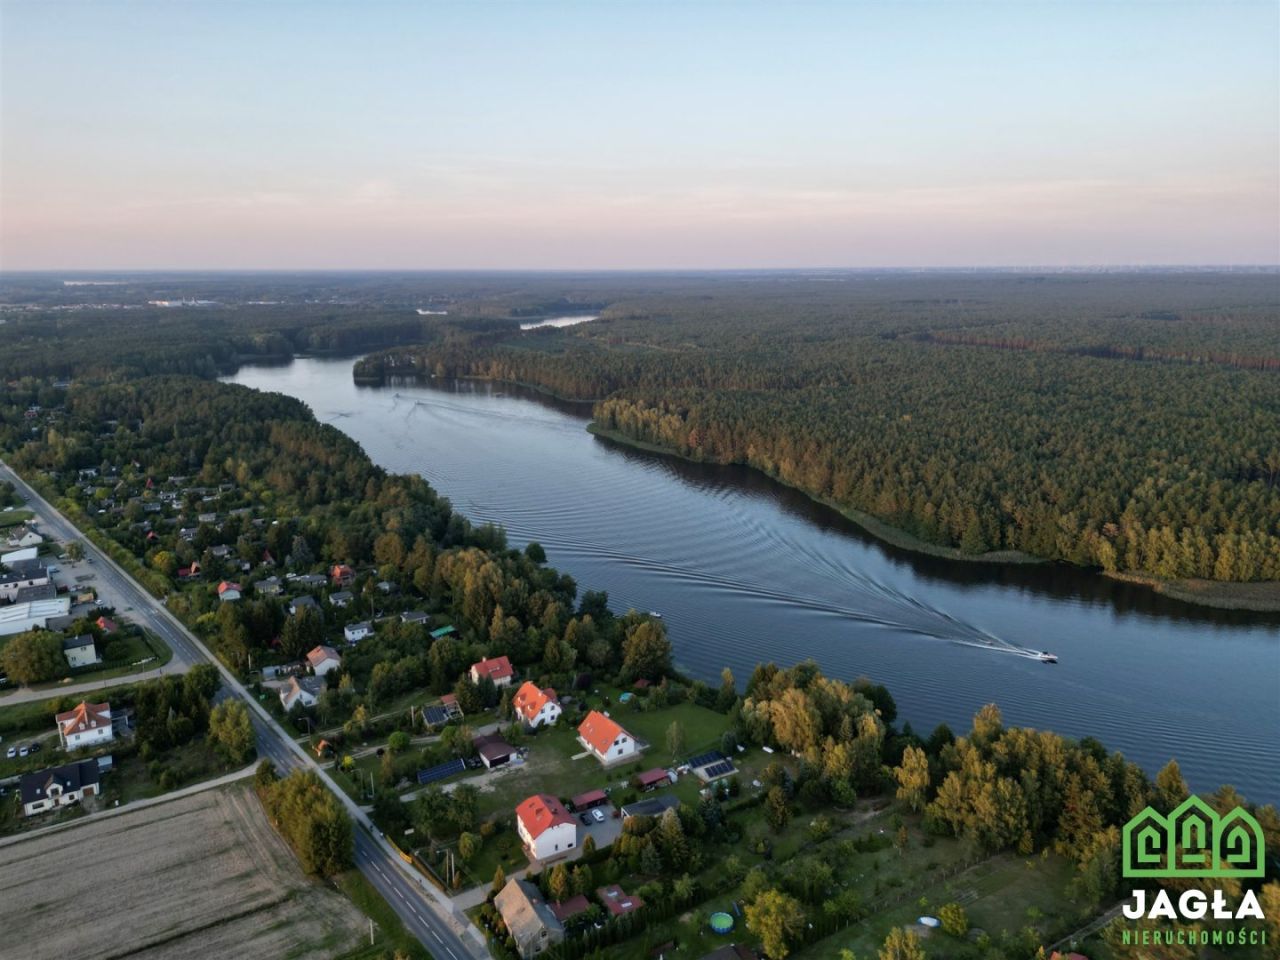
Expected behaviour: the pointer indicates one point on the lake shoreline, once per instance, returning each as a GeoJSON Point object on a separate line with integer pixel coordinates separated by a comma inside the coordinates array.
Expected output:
{"type": "Point", "coordinates": [1261, 597]}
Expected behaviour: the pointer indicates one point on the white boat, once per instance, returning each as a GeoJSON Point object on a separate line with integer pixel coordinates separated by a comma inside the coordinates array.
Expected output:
{"type": "Point", "coordinates": [1044, 656]}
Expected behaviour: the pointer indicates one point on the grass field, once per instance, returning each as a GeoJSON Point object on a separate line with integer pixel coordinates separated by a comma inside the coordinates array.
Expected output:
{"type": "Point", "coordinates": [202, 876]}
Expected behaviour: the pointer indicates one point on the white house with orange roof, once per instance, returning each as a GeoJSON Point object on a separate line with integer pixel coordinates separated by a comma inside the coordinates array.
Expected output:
{"type": "Point", "coordinates": [497, 669]}
{"type": "Point", "coordinates": [323, 660]}
{"type": "Point", "coordinates": [85, 725]}
{"type": "Point", "coordinates": [537, 708]}
{"type": "Point", "coordinates": [547, 829]}
{"type": "Point", "coordinates": [607, 741]}
{"type": "Point", "coordinates": [228, 591]}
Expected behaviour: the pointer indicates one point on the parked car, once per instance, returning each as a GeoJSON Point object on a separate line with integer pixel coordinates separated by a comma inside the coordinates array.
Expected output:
{"type": "Point", "coordinates": [586, 821]}
{"type": "Point", "coordinates": [23, 752]}
{"type": "Point", "coordinates": [13, 752]}
{"type": "Point", "coordinates": [597, 816]}
{"type": "Point", "coordinates": [34, 748]}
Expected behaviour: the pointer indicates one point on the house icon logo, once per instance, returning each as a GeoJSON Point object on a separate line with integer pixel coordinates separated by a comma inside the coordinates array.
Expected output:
{"type": "Point", "coordinates": [1193, 841]}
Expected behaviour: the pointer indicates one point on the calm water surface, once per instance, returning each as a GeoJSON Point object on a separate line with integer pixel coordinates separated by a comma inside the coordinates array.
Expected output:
{"type": "Point", "coordinates": [744, 570]}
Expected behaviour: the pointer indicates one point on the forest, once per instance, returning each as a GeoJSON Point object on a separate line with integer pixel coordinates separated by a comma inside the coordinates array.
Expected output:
{"type": "Point", "coordinates": [1120, 422]}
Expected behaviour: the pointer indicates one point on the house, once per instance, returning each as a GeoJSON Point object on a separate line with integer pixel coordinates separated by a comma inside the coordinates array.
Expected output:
{"type": "Point", "coordinates": [585, 801]}
{"type": "Point", "coordinates": [86, 725]}
{"type": "Point", "coordinates": [80, 651]}
{"type": "Point", "coordinates": [341, 598]}
{"type": "Point", "coordinates": [607, 741]}
{"type": "Point", "coordinates": [45, 591]}
{"type": "Point", "coordinates": [567, 910]}
{"type": "Point", "coordinates": [546, 827]}
{"type": "Point", "coordinates": [228, 591]}
{"type": "Point", "coordinates": [530, 922]}
{"type": "Point", "coordinates": [303, 690]}
{"type": "Point", "coordinates": [191, 572]}
{"type": "Point", "coordinates": [270, 587]}
{"type": "Point", "coordinates": [497, 669]}
{"type": "Point", "coordinates": [653, 807]}
{"type": "Point", "coordinates": [414, 616]}
{"type": "Point", "coordinates": [106, 625]}
{"type": "Point", "coordinates": [59, 786]}
{"type": "Point", "coordinates": [493, 750]}
{"type": "Point", "coordinates": [387, 587]}
{"type": "Point", "coordinates": [355, 632]}
{"type": "Point", "coordinates": [537, 708]}
{"type": "Point", "coordinates": [220, 551]}
{"type": "Point", "coordinates": [342, 575]}
{"type": "Point", "coordinates": [22, 573]}
{"type": "Point", "coordinates": [298, 604]}
{"type": "Point", "coordinates": [24, 536]}
{"type": "Point", "coordinates": [617, 901]}
{"type": "Point", "coordinates": [652, 779]}
{"type": "Point", "coordinates": [324, 660]}
{"type": "Point", "coordinates": [13, 556]}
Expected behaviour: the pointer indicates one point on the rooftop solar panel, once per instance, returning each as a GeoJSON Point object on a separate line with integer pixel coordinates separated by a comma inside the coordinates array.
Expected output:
{"type": "Point", "coordinates": [702, 759]}
{"type": "Point", "coordinates": [721, 769]}
{"type": "Point", "coordinates": [440, 771]}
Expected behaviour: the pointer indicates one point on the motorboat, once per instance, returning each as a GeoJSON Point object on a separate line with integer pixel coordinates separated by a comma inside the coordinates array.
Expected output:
{"type": "Point", "coordinates": [1044, 656]}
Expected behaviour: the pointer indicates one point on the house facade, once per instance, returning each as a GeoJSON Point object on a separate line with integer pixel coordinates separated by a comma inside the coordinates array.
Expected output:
{"type": "Point", "coordinates": [537, 708]}
{"type": "Point", "coordinates": [355, 632]}
{"type": "Point", "coordinates": [529, 919]}
{"type": "Point", "coordinates": [497, 669]}
{"type": "Point", "coordinates": [301, 690]}
{"type": "Point", "coordinates": [324, 660]}
{"type": "Point", "coordinates": [59, 786]}
{"type": "Point", "coordinates": [547, 829]}
{"type": "Point", "coordinates": [86, 725]}
{"type": "Point", "coordinates": [607, 741]}
{"type": "Point", "coordinates": [80, 651]}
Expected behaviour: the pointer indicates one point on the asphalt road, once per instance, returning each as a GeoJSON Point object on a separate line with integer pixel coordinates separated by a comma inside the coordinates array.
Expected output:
{"type": "Point", "coordinates": [425, 911]}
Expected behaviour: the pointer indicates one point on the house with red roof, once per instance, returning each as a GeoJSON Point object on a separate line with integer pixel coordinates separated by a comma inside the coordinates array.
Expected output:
{"type": "Point", "coordinates": [228, 591]}
{"type": "Point", "coordinates": [85, 725]}
{"type": "Point", "coordinates": [106, 625]}
{"type": "Point", "coordinates": [617, 901]}
{"type": "Point", "coordinates": [547, 829]}
{"type": "Point", "coordinates": [342, 575]}
{"type": "Point", "coordinates": [652, 779]}
{"type": "Point", "coordinates": [497, 669]}
{"type": "Point", "coordinates": [323, 660]}
{"type": "Point", "coordinates": [607, 741]}
{"type": "Point", "coordinates": [537, 708]}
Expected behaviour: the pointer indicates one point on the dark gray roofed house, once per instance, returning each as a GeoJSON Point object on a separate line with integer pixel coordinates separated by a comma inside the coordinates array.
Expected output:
{"type": "Point", "coordinates": [59, 786]}
{"type": "Point", "coordinates": [299, 603]}
{"type": "Point", "coordinates": [43, 591]}
{"type": "Point", "coordinates": [654, 807]}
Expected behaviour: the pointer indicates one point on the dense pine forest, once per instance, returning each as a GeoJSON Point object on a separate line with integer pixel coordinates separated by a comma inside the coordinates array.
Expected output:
{"type": "Point", "coordinates": [1124, 422]}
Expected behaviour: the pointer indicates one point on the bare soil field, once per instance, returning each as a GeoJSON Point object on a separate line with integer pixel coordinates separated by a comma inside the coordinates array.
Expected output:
{"type": "Point", "coordinates": [203, 876]}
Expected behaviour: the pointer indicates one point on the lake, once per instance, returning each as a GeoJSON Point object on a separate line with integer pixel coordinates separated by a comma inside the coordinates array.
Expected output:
{"type": "Point", "coordinates": [744, 570]}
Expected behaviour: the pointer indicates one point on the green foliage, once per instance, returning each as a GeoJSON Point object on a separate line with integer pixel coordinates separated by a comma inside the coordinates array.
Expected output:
{"type": "Point", "coordinates": [231, 731]}
{"type": "Point", "coordinates": [777, 919]}
{"type": "Point", "coordinates": [954, 919]}
{"type": "Point", "coordinates": [34, 657]}
{"type": "Point", "coordinates": [313, 820]}
{"type": "Point", "coordinates": [1122, 422]}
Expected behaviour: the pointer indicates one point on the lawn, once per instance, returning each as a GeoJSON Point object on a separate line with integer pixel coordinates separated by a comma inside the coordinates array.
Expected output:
{"type": "Point", "coordinates": [11, 518]}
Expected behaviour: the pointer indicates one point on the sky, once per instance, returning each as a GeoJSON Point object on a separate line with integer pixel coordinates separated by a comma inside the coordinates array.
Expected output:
{"type": "Point", "coordinates": [616, 135]}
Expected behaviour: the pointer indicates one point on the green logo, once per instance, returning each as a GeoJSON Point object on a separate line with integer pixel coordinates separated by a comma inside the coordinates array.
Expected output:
{"type": "Point", "coordinates": [1193, 841]}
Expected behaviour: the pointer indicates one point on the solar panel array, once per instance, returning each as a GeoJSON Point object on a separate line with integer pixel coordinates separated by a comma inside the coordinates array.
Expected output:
{"type": "Point", "coordinates": [721, 769]}
{"type": "Point", "coordinates": [440, 771]}
{"type": "Point", "coordinates": [435, 715]}
{"type": "Point", "coordinates": [702, 759]}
